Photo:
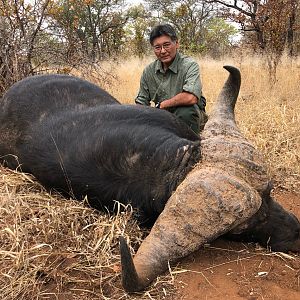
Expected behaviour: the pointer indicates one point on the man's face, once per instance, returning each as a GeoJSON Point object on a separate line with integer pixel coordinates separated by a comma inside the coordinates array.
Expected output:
{"type": "Point", "coordinates": [165, 49]}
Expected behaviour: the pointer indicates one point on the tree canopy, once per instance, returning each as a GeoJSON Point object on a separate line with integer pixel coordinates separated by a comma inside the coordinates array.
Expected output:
{"type": "Point", "coordinates": [36, 34]}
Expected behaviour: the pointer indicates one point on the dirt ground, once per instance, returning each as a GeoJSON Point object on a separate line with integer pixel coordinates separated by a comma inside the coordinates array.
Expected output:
{"type": "Point", "coordinates": [229, 270]}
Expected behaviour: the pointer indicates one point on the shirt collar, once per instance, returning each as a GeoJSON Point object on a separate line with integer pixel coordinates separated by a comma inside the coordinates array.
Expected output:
{"type": "Point", "coordinates": [173, 67]}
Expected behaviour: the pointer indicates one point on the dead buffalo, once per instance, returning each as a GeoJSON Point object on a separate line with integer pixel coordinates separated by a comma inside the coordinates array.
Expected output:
{"type": "Point", "coordinates": [200, 189]}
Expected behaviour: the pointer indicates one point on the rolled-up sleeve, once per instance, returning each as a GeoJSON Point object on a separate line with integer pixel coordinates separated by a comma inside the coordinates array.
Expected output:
{"type": "Point", "coordinates": [192, 83]}
{"type": "Point", "coordinates": [143, 96]}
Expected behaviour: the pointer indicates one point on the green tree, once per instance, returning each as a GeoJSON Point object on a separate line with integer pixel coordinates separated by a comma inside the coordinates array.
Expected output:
{"type": "Point", "coordinates": [21, 26]}
{"type": "Point", "coordinates": [218, 37]}
{"type": "Point", "coordinates": [94, 26]}
{"type": "Point", "coordinates": [138, 30]}
{"type": "Point", "coordinates": [189, 18]}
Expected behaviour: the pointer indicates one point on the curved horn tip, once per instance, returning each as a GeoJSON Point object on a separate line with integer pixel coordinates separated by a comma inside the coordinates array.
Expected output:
{"type": "Point", "coordinates": [232, 70]}
{"type": "Point", "coordinates": [130, 279]}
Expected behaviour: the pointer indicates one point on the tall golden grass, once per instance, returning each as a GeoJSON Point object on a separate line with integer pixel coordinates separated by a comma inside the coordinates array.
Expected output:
{"type": "Point", "coordinates": [51, 248]}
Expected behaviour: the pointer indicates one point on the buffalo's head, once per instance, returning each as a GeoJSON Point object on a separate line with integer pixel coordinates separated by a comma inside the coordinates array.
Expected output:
{"type": "Point", "coordinates": [273, 227]}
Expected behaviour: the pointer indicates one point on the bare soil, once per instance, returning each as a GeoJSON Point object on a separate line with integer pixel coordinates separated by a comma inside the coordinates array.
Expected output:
{"type": "Point", "coordinates": [230, 270]}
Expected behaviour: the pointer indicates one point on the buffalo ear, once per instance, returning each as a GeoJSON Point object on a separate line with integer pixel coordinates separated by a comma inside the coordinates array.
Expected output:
{"type": "Point", "coordinates": [266, 194]}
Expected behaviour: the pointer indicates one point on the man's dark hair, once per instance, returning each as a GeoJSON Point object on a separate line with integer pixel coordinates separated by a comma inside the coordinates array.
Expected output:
{"type": "Point", "coordinates": [163, 29]}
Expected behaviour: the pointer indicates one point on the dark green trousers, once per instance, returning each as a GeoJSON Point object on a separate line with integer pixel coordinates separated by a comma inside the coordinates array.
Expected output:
{"type": "Point", "coordinates": [192, 115]}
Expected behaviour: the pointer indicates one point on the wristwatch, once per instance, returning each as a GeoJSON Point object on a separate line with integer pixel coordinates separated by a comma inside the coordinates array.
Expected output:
{"type": "Point", "coordinates": [157, 105]}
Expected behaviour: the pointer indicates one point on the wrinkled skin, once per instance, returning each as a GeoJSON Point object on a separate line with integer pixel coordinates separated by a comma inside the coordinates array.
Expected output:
{"type": "Point", "coordinates": [227, 192]}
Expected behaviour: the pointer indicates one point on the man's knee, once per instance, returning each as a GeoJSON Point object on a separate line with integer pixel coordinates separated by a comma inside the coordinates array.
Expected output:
{"type": "Point", "coordinates": [192, 116]}
{"type": "Point", "coordinates": [196, 121]}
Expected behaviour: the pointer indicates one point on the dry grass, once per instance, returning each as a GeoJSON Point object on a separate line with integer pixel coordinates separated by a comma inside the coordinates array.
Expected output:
{"type": "Point", "coordinates": [56, 249]}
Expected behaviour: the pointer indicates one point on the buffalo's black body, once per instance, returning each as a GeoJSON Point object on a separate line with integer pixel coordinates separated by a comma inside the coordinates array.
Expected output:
{"type": "Point", "coordinates": [31, 101]}
{"type": "Point", "coordinates": [78, 139]}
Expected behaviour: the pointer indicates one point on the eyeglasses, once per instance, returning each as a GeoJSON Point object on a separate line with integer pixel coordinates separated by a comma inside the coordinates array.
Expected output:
{"type": "Point", "coordinates": [167, 46]}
